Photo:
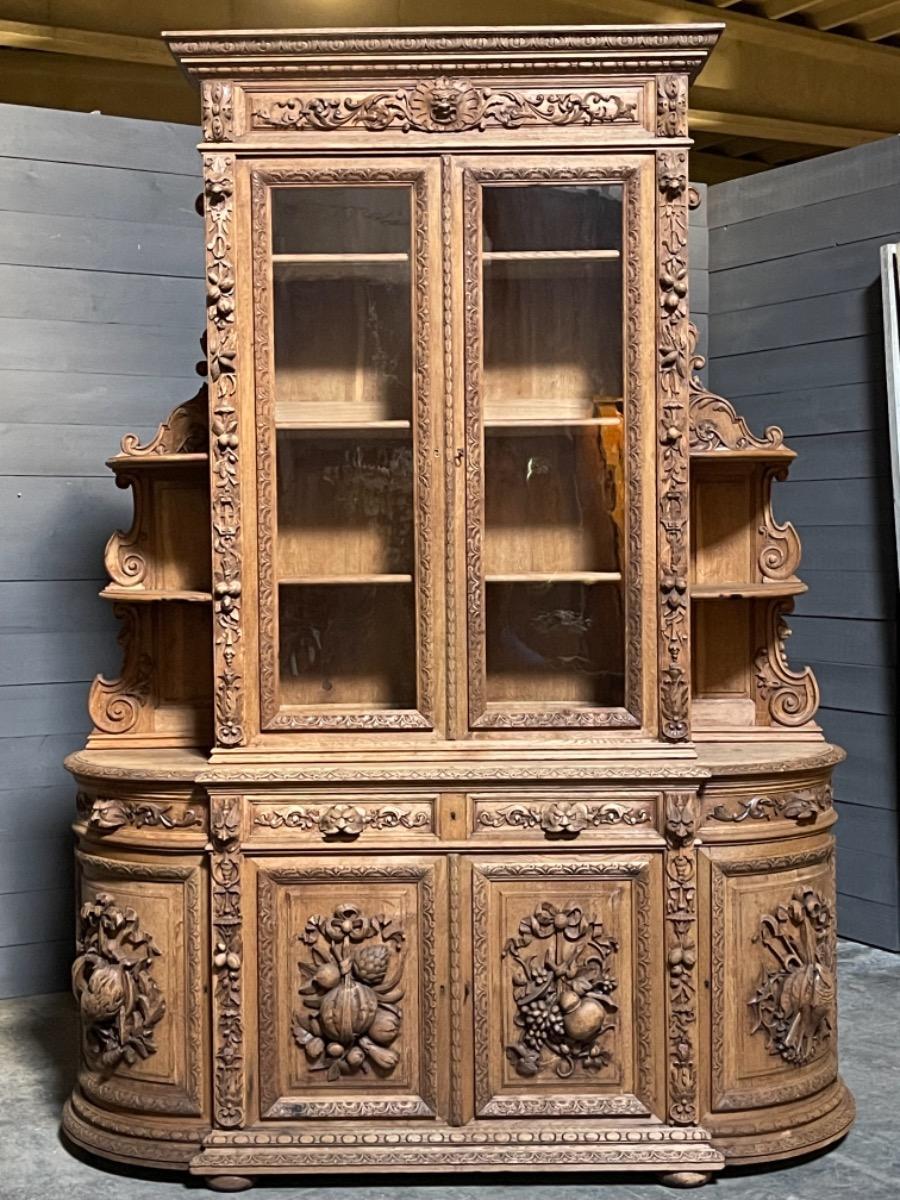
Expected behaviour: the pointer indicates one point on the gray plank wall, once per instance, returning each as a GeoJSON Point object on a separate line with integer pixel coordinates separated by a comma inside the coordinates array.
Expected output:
{"type": "Point", "coordinates": [796, 336]}
{"type": "Point", "coordinates": [101, 303]}
{"type": "Point", "coordinates": [101, 306]}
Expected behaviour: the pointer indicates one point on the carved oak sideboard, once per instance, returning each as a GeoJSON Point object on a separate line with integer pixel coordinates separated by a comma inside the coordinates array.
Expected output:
{"type": "Point", "coordinates": [456, 804]}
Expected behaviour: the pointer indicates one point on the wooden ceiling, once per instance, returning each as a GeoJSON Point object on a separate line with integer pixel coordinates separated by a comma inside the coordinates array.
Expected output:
{"type": "Point", "coordinates": [791, 79]}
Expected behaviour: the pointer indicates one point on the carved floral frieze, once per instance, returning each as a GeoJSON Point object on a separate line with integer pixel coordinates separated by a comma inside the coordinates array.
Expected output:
{"type": "Point", "coordinates": [562, 987]}
{"type": "Point", "coordinates": [343, 820]}
{"type": "Point", "coordinates": [119, 1000]}
{"type": "Point", "coordinates": [444, 105]}
{"type": "Point", "coordinates": [793, 1005]}
{"type": "Point", "coordinates": [351, 993]}
{"type": "Point", "coordinates": [562, 818]}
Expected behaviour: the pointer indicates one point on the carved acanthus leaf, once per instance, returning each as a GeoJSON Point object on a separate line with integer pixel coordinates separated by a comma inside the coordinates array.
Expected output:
{"type": "Point", "coordinates": [107, 815]}
{"type": "Point", "coordinates": [794, 1003]}
{"type": "Point", "coordinates": [342, 820]}
{"type": "Point", "coordinates": [444, 105]}
{"type": "Point", "coordinates": [801, 805]}
{"type": "Point", "coordinates": [119, 1001]}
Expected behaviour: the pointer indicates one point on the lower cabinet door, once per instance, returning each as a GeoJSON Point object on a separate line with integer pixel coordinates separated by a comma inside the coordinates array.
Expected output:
{"type": "Point", "coordinates": [567, 985]}
{"type": "Point", "coordinates": [351, 987]}
{"type": "Point", "coordinates": [772, 956]}
{"type": "Point", "coordinates": [138, 981]}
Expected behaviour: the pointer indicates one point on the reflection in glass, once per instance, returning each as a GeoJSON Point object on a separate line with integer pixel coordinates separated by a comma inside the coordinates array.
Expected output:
{"type": "Point", "coordinates": [345, 552]}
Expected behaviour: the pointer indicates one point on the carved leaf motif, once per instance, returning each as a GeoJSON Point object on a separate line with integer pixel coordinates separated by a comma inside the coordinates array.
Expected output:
{"type": "Point", "coordinates": [563, 818]}
{"type": "Point", "coordinates": [800, 806]}
{"type": "Point", "coordinates": [444, 105]}
{"type": "Point", "coordinates": [351, 993]}
{"type": "Point", "coordinates": [793, 1006]}
{"type": "Point", "coordinates": [119, 1001]}
{"type": "Point", "coordinates": [715, 425]}
{"type": "Point", "coordinates": [563, 993]}
{"type": "Point", "coordinates": [108, 815]}
{"type": "Point", "coordinates": [184, 431]}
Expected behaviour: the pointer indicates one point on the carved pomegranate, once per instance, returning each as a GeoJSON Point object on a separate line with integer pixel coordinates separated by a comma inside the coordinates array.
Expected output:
{"type": "Point", "coordinates": [104, 994]}
{"type": "Point", "coordinates": [347, 1011]}
{"type": "Point", "coordinates": [385, 1027]}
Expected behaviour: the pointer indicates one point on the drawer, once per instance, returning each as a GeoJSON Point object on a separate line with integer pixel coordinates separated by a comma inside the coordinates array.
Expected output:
{"type": "Point", "coordinates": [563, 816]}
{"type": "Point", "coordinates": [342, 818]}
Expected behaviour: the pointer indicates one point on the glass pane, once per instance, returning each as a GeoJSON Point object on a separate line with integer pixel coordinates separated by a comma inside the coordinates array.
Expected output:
{"type": "Point", "coordinates": [554, 457]}
{"type": "Point", "coordinates": [345, 552]}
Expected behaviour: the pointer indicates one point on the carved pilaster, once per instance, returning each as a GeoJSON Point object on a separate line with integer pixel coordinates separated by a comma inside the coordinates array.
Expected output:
{"type": "Point", "coordinates": [673, 349]}
{"type": "Point", "coordinates": [224, 472]}
{"type": "Point", "coordinates": [785, 696]}
{"type": "Point", "coordinates": [681, 957]}
{"type": "Point", "coordinates": [227, 951]}
{"type": "Point", "coordinates": [671, 106]}
{"type": "Point", "coordinates": [116, 705]}
{"type": "Point", "coordinates": [217, 111]}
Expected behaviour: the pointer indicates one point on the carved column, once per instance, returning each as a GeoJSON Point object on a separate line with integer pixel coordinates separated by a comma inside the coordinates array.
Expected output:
{"type": "Point", "coordinates": [227, 951]}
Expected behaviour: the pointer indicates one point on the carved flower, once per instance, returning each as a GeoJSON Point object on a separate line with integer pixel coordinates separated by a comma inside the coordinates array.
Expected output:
{"type": "Point", "coordinates": [342, 820]}
{"type": "Point", "coordinates": [347, 923]}
{"type": "Point", "coordinates": [565, 818]}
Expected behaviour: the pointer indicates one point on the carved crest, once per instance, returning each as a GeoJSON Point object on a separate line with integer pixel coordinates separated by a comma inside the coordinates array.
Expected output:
{"type": "Point", "coordinates": [562, 990]}
{"type": "Point", "coordinates": [715, 425]}
{"type": "Point", "coordinates": [794, 1002]}
{"type": "Point", "coordinates": [119, 1000]}
{"type": "Point", "coordinates": [443, 105]}
{"type": "Point", "coordinates": [351, 993]}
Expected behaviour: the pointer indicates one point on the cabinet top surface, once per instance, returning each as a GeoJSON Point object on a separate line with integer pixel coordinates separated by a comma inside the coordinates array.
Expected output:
{"type": "Point", "coordinates": [610, 49]}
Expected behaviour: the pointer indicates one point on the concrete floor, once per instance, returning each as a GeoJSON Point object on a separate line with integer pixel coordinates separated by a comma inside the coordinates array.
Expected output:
{"type": "Point", "coordinates": [37, 1038]}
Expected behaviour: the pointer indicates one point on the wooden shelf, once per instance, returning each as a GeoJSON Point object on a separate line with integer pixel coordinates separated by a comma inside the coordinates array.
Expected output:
{"type": "Point", "coordinates": [507, 424]}
{"type": "Point", "coordinates": [345, 428]}
{"type": "Point", "coordinates": [746, 591]}
{"type": "Point", "coordinates": [547, 255]}
{"type": "Point", "coordinates": [137, 596]}
{"type": "Point", "coordinates": [129, 462]}
{"type": "Point", "coordinates": [340, 580]}
{"type": "Point", "coordinates": [318, 259]}
{"type": "Point", "coordinates": [588, 577]}
{"type": "Point", "coordinates": [754, 454]}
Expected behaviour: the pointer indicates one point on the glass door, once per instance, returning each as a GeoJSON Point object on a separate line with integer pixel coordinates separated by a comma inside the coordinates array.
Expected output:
{"type": "Point", "coordinates": [553, 512]}
{"type": "Point", "coordinates": [345, 456]}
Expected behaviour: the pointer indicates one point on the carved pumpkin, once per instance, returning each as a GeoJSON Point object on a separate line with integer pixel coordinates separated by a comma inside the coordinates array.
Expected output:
{"type": "Point", "coordinates": [347, 1011]}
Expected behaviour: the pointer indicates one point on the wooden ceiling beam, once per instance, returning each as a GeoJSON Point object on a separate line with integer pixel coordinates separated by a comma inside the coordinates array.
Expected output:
{"type": "Point", "coordinates": [776, 9]}
{"type": "Point", "coordinates": [55, 39]}
{"type": "Point", "coordinates": [882, 27]}
{"type": "Point", "coordinates": [847, 12]}
{"type": "Point", "coordinates": [774, 129]}
{"type": "Point", "coordinates": [716, 168]}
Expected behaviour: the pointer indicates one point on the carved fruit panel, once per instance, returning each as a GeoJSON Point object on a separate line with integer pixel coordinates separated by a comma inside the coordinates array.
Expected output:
{"type": "Point", "coordinates": [348, 989]}
{"type": "Point", "coordinates": [136, 979]}
{"type": "Point", "coordinates": [773, 968]}
{"type": "Point", "coordinates": [566, 986]}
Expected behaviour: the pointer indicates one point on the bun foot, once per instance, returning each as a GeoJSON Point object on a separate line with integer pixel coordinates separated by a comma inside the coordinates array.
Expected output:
{"type": "Point", "coordinates": [686, 1179]}
{"type": "Point", "coordinates": [229, 1183]}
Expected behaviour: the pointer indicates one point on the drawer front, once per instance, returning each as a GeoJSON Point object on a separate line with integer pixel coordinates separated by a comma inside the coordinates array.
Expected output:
{"type": "Point", "coordinates": [339, 819]}
{"type": "Point", "coordinates": [563, 816]}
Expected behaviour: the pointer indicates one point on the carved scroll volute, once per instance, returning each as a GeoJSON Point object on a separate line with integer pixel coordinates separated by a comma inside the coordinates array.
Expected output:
{"type": "Point", "coordinates": [184, 431]}
{"type": "Point", "coordinates": [778, 544]}
{"type": "Point", "coordinates": [714, 423]}
{"type": "Point", "coordinates": [123, 558]}
{"type": "Point", "coordinates": [784, 696]}
{"type": "Point", "coordinates": [673, 348]}
{"type": "Point", "coordinates": [227, 950]}
{"type": "Point", "coordinates": [116, 705]}
{"type": "Point", "coordinates": [218, 193]}
{"type": "Point", "coordinates": [794, 1003]}
{"type": "Point", "coordinates": [118, 998]}
{"type": "Point", "coordinates": [681, 956]}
